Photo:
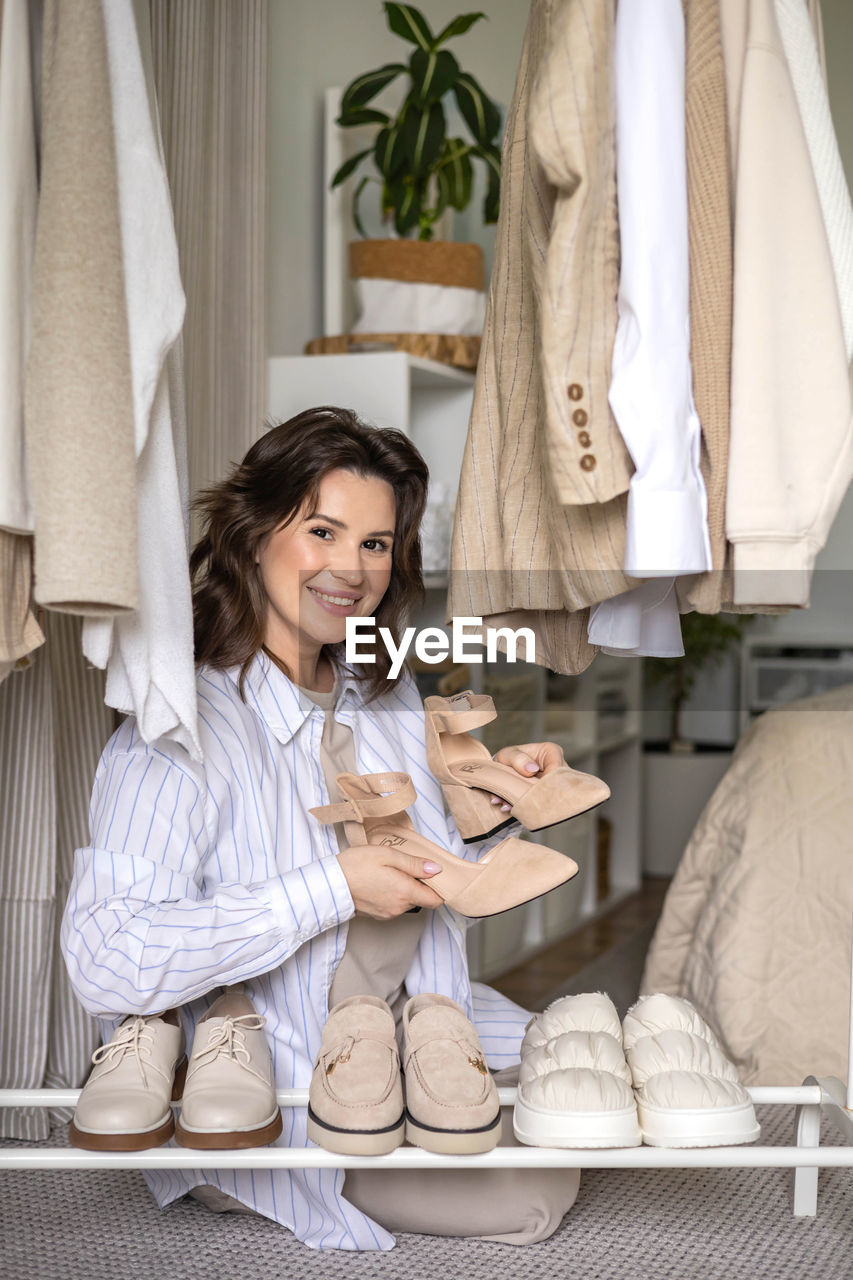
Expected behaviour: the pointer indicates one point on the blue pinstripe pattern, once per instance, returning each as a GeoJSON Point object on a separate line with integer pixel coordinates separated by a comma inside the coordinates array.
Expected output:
{"type": "Point", "coordinates": [200, 875]}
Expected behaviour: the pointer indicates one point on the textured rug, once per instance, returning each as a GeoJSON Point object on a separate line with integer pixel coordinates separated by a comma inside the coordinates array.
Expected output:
{"type": "Point", "coordinates": [716, 1224]}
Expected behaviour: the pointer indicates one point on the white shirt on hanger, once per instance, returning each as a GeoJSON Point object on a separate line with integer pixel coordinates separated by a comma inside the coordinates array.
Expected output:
{"type": "Point", "coordinates": [651, 383]}
{"type": "Point", "coordinates": [148, 653]}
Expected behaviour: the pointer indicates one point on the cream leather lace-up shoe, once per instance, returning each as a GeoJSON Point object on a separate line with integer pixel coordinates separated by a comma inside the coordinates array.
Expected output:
{"type": "Point", "coordinates": [355, 1102]}
{"type": "Point", "coordinates": [125, 1103]}
{"type": "Point", "coordinates": [452, 1102]}
{"type": "Point", "coordinates": [229, 1097]}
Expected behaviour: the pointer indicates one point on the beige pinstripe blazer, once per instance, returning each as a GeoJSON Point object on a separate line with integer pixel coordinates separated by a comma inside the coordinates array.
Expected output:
{"type": "Point", "coordinates": [540, 520]}
{"type": "Point", "coordinates": [710, 228]}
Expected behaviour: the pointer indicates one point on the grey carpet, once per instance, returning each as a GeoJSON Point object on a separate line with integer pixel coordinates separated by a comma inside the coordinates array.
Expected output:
{"type": "Point", "coordinates": [714, 1224]}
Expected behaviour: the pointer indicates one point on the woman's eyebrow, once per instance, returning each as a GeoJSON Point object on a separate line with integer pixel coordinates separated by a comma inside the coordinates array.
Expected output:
{"type": "Point", "coordinates": [339, 524]}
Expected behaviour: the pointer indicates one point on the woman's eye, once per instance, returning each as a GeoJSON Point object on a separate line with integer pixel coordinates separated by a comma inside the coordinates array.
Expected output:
{"type": "Point", "coordinates": [320, 532]}
{"type": "Point", "coordinates": [376, 544]}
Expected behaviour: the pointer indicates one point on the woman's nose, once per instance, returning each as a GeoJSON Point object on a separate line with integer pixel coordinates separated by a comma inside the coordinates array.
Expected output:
{"type": "Point", "coordinates": [349, 573]}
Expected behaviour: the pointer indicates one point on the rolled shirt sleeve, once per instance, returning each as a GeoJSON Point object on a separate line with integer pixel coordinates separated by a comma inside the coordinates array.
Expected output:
{"type": "Point", "coordinates": [152, 921]}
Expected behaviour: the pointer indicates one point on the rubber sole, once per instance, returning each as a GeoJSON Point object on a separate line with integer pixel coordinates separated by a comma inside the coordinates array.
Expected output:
{"type": "Point", "coordinates": [356, 1142]}
{"type": "Point", "coordinates": [232, 1140]}
{"type": "Point", "coordinates": [454, 1142]}
{"type": "Point", "coordinates": [141, 1140]}
{"type": "Point", "coordinates": [587, 1130]}
{"type": "Point", "coordinates": [700, 1127]}
{"type": "Point", "coordinates": [133, 1140]}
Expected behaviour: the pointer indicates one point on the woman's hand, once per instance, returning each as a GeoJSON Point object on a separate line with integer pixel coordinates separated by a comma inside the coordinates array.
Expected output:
{"type": "Point", "coordinates": [532, 760]}
{"type": "Point", "coordinates": [385, 882]}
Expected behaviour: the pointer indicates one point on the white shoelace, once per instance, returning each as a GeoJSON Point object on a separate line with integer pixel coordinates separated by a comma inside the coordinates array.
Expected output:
{"type": "Point", "coordinates": [133, 1038]}
{"type": "Point", "coordinates": [228, 1039]}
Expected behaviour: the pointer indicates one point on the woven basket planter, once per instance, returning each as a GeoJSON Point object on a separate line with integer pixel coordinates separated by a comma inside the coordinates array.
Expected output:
{"type": "Point", "coordinates": [418, 287]}
{"type": "Point", "coordinates": [441, 262]}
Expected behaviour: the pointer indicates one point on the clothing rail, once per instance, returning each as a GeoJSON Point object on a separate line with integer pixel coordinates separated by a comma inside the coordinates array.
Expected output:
{"type": "Point", "coordinates": [812, 1099]}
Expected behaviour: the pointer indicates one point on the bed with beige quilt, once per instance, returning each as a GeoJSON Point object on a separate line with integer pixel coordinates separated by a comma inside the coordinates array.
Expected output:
{"type": "Point", "coordinates": [757, 925]}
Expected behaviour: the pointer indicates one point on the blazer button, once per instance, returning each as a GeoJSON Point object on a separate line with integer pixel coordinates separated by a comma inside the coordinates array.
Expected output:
{"type": "Point", "coordinates": [580, 417]}
{"type": "Point", "coordinates": [575, 391]}
{"type": "Point", "coordinates": [588, 462]}
{"type": "Point", "coordinates": [584, 439]}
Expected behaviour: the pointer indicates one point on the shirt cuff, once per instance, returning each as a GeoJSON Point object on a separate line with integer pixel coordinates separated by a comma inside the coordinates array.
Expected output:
{"type": "Point", "coordinates": [773, 572]}
{"type": "Point", "coordinates": [310, 899]}
{"type": "Point", "coordinates": [667, 533]}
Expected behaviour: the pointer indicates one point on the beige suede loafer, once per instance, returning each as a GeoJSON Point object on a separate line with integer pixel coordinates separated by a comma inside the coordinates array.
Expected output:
{"type": "Point", "coordinates": [125, 1103]}
{"type": "Point", "coordinates": [452, 1102]}
{"type": "Point", "coordinates": [229, 1097]}
{"type": "Point", "coordinates": [355, 1102]}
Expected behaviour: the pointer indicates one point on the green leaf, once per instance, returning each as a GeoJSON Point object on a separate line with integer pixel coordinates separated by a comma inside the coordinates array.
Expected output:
{"type": "Point", "coordinates": [422, 137]}
{"type": "Point", "coordinates": [389, 153]}
{"type": "Point", "coordinates": [491, 203]}
{"type": "Point", "coordinates": [433, 73]}
{"type": "Point", "coordinates": [407, 21]}
{"type": "Point", "coordinates": [359, 226]}
{"type": "Point", "coordinates": [478, 111]}
{"type": "Point", "coordinates": [366, 87]}
{"type": "Point", "coordinates": [365, 115]}
{"type": "Point", "coordinates": [492, 198]}
{"type": "Point", "coordinates": [455, 175]}
{"type": "Point", "coordinates": [348, 167]}
{"type": "Point", "coordinates": [457, 27]}
{"type": "Point", "coordinates": [408, 201]}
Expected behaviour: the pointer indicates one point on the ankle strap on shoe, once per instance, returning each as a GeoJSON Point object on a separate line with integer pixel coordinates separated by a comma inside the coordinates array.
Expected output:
{"type": "Point", "coordinates": [371, 795]}
{"type": "Point", "coordinates": [464, 712]}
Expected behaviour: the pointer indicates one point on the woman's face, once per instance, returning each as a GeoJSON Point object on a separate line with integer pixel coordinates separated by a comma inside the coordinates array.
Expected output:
{"type": "Point", "coordinates": [321, 569]}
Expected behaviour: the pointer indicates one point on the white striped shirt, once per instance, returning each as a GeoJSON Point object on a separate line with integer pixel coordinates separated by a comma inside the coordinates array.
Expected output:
{"type": "Point", "coordinates": [203, 875]}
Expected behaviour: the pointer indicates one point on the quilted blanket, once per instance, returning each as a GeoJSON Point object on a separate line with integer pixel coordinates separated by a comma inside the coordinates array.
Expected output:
{"type": "Point", "coordinates": [757, 926]}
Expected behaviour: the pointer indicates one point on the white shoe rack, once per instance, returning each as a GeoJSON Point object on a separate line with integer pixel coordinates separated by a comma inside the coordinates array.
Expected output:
{"type": "Point", "coordinates": [812, 1100]}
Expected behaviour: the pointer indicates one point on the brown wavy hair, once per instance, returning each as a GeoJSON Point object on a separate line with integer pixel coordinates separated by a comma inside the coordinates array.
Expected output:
{"type": "Point", "coordinates": [278, 476]}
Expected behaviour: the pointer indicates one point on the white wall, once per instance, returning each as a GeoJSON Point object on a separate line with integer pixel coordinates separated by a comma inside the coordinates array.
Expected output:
{"type": "Point", "coordinates": [317, 44]}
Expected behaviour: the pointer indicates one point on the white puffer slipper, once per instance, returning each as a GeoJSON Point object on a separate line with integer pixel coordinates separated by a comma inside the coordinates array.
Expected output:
{"type": "Point", "coordinates": [574, 1086]}
{"type": "Point", "coordinates": [687, 1090]}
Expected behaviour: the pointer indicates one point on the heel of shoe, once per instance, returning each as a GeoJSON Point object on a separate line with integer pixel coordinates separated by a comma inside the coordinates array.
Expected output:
{"type": "Point", "coordinates": [179, 1080]}
{"type": "Point", "coordinates": [473, 812]}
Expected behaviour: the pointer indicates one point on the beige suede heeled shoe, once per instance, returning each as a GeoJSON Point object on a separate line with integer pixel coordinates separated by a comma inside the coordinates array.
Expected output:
{"type": "Point", "coordinates": [468, 775]}
{"type": "Point", "coordinates": [515, 871]}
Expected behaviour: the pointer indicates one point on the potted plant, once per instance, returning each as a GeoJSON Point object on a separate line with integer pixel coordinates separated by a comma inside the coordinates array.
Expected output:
{"type": "Point", "coordinates": [679, 775]}
{"type": "Point", "coordinates": [707, 639]}
{"type": "Point", "coordinates": [421, 171]}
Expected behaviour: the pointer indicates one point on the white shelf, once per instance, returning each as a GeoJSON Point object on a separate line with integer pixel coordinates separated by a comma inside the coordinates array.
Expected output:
{"type": "Point", "coordinates": [804, 1154]}
{"type": "Point", "coordinates": [431, 375]}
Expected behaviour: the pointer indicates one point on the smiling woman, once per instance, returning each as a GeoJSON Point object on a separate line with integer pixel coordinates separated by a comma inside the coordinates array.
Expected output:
{"type": "Point", "coordinates": [237, 872]}
{"type": "Point", "coordinates": [319, 522]}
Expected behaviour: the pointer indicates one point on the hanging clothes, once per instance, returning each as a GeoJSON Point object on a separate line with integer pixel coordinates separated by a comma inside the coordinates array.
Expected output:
{"type": "Point", "coordinates": [540, 519]}
{"type": "Point", "coordinates": [18, 195]}
{"type": "Point", "coordinates": [78, 410]}
{"type": "Point", "coordinates": [149, 653]}
{"type": "Point", "coordinates": [20, 632]}
{"type": "Point", "coordinates": [651, 382]}
{"type": "Point", "coordinates": [791, 448]}
{"type": "Point", "coordinates": [803, 54]}
{"type": "Point", "coordinates": [709, 209]}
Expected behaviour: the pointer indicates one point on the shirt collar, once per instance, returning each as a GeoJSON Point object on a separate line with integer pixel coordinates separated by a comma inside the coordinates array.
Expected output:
{"type": "Point", "coordinates": [277, 700]}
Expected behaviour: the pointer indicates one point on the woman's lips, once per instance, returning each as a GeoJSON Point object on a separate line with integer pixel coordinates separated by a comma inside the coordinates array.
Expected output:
{"type": "Point", "coordinates": [338, 603]}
